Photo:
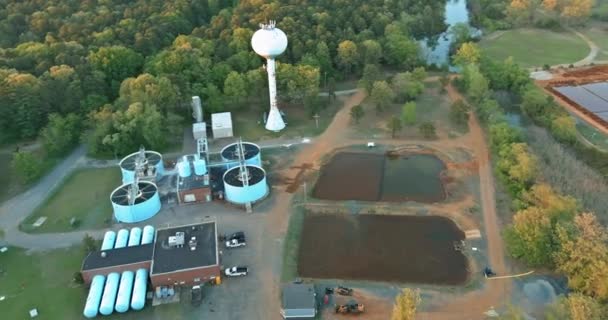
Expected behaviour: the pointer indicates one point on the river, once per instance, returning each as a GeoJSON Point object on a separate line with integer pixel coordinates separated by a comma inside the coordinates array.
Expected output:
{"type": "Point", "coordinates": [455, 12]}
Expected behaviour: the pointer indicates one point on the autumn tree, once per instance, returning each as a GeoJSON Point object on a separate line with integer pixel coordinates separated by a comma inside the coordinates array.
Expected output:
{"type": "Point", "coordinates": [347, 56]}
{"type": "Point", "coordinates": [576, 306]}
{"type": "Point", "coordinates": [382, 95]}
{"type": "Point", "coordinates": [149, 90]}
{"type": "Point", "coordinates": [116, 63]}
{"type": "Point", "coordinates": [564, 128]}
{"type": "Point", "coordinates": [468, 53]}
{"type": "Point", "coordinates": [583, 256]}
{"type": "Point", "coordinates": [406, 304]}
{"type": "Point", "coordinates": [518, 164]}
{"type": "Point", "coordinates": [530, 237]}
{"type": "Point", "coordinates": [408, 113]}
{"type": "Point", "coordinates": [523, 11]}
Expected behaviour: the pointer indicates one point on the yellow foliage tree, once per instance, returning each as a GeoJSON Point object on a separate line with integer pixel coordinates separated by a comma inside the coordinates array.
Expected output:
{"type": "Point", "coordinates": [520, 4]}
{"type": "Point", "coordinates": [583, 256]}
{"type": "Point", "coordinates": [577, 8]}
{"type": "Point", "coordinates": [524, 168]}
{"type": "Point", "coordinates": [556, 205]}
{"type": "Point", "coordinates": [530, 235]}
{"type": "Point", "coordinates": [406, 304]}
{"type": "Point", "coordinates": [549, 5]}
{"type": "Point", "coordinates": [468, 53]}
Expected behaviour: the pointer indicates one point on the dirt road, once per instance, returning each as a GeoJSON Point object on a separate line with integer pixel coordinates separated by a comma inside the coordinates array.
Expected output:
{"type": "Point", "coordinates": [473, 305]}
{"type": "Point", "coordinates": [277, 219]}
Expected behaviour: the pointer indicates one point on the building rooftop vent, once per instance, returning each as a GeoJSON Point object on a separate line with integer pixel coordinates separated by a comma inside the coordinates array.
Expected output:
{"type": "Point", "coordinates": [192, 243]}
{"type": "Point", "coordinates": [177, 240]}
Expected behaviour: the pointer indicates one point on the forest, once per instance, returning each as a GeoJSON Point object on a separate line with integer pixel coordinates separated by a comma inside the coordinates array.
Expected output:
{"type": "Point", "coordinates": [125, 70]}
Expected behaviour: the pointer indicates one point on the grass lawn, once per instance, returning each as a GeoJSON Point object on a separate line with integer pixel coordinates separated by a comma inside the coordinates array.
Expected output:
{"type": "Point", "coordinates": [85, 195]}
{"type": "Point", "coordinates": [248, 124]}
{"type": "Point", "coordinates": [536, 47]}
{"type": "Point", "coordinates": [9, 182]}
{"type": "Point", "coordinates": [42, 281]}
{"type": "Point", "coordinates": [600, 37]}
{"type": "Point", "coordinates": [592, 135]}
{"type": "Point", "coordinates": [432, 105]}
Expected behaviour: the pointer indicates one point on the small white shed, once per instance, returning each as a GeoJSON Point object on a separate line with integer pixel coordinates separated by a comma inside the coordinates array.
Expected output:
{"type": "Point", "coordinates": [221, 125]}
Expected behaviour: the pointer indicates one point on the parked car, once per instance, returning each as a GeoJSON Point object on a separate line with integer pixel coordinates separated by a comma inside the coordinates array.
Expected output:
{"type": "Point", "coordinates": [236, 271]}
{"type": "Point", "coordinates": [197, 295]}
{"type": "Point", "coordinates": [237, 235]}
{"type": "Point", "coordinates": [235, 243]}
{"type": "Point", "coordinates": [344, 291]}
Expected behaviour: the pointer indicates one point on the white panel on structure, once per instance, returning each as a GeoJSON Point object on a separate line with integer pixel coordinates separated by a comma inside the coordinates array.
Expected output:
{"type": "Point", "coordinates": [221, 124]}
{"type": "Point", "coordinates": [189, 198]}
{"type": "Point", "coordinates": [199, 130]}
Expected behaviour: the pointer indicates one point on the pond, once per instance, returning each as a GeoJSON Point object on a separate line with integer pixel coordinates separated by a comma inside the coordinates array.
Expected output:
{"type": "Point", "coordinates": [393, 248]}
{"type": "Point", "coordinates": [455, 12]}
{"type": "Point", "coordinates": [369, 176]}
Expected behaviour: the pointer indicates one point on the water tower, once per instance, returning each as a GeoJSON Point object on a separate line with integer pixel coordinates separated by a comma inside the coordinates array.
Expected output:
{"type": "Point", "coordinates": [269, 42]}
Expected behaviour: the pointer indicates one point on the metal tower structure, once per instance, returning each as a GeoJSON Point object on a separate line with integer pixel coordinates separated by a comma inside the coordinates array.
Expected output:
{"type": "Point", "coordinates": [269, 42]}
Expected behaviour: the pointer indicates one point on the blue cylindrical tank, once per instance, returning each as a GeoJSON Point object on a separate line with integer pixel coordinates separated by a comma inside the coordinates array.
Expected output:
{"type": "Point", "coordinates": [134, 237]}
{"type": "Point", "coordinates": [109, 294]}
{"type": "Point", "coordinates": [237, 193]}
{"type": "Point", "coordinates": [139, 290]}
{"type": "Point", "coordinates": [252, 152]}
{"type": "Point", "coordinates": [127, 165]}
{"type": "Point", "coordinates": [138, 212]}
{"type": "Point", "coordinates": [108, 240]}
{"type": "Point", "coordinates": [122, 238]}
{"type": "Point", "coordinates": [125, 289]}
{"type": "Point", "coordinates": [94, 297]}
{"type": "Point", "coordinates": [148, 235]}
{"type": "Point", "coordinates": [200, 167]}
{"type": "Point", "coordinates": [183, 168]}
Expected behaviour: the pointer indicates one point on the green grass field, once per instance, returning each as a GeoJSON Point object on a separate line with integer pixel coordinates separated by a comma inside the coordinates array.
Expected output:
{"type": "Point", "coordinates": [600, 37]}
{"type": "Point", "coordinates": [42, 281]}
{"type": "Point", "coordinates": [84, 195]}
{"type": "Point", "coordinates": [535, 47]}
{"type": "Point", "coordinates": [6, 177]}
{"type": "Point", "coordinates": [599, 139]}
{"type": "Point", "coordinates": [248, 124]}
